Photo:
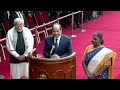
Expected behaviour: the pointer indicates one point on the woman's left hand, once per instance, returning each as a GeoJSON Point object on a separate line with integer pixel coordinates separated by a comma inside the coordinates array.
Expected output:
{"type": "Point", "coordinates": [92, 76]}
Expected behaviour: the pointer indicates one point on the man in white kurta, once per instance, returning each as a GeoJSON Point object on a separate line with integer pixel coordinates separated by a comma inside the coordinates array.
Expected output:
{"type": "Point", "coordinates": [19, 65]}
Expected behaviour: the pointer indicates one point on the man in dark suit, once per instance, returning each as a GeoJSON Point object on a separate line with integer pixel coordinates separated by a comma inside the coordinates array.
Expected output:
{"type": "Point", "coordinates": [17, 14]}
{"type": "Point", "coordinates": [77, 20]}
{"type": "Point", "coordinates": [3, 18]}
{"type": "Point", "coordinates": [57, 45]}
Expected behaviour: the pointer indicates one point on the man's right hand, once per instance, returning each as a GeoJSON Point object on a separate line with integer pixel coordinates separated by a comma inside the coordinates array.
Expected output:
{"type": "Point", "coordinates": [55, 56]}
{"type": "Point", "coordinates": [21, 58]}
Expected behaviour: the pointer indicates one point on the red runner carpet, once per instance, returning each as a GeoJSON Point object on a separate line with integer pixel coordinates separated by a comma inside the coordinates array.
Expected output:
{"type": "Point", "coordinates": [108, 24]}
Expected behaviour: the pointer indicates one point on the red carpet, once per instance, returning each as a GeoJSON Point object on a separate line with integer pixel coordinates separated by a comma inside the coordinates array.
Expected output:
{"type": "Point", "coordinates": [108, 24]}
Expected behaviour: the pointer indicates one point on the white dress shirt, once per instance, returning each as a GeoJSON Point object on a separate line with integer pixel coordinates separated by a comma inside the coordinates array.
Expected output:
{"type": "Point", "coordinates": [58, 41]}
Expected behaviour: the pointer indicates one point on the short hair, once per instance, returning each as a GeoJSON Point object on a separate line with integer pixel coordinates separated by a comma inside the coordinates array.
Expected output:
{"type": "Point", "coordinates": [56, 24]}
{"type": "Point", "coordinates": [18, 19]}
{"type": "Point", "coordinates": [100, 36]}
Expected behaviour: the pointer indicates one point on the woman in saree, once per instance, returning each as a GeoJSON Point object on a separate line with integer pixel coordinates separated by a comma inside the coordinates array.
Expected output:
{"type": "Point", "coordinates": [98, 61]}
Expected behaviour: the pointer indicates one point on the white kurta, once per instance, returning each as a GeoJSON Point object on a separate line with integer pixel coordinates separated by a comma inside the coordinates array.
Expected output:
{"type": "Point", "coordinates": [21, 69]}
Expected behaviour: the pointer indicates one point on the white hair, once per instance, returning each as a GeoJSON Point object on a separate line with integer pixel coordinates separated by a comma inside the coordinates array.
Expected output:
{"type": "Point", "coordinates": [18, 20]}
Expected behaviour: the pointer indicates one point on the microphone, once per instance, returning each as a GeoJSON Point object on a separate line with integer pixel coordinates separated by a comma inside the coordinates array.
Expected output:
{"type": "Point", "coordinates": [52, 49]}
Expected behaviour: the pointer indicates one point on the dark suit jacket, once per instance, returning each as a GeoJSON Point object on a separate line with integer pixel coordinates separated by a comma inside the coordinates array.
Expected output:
{"type": "Point", "coordinates": [65, 46]}
{"type": "Point", "coordinates": [13, 15]}
{"type": "Point", "coordinates": [3, 16]}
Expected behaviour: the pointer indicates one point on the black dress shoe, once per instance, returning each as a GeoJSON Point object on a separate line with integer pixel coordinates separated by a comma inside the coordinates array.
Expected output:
{"type": "Point", "coordinates": [65, 26]}
{"type": "Point", "coordinates": [86, 20]}
{"type": "Point", "coordinates": [78, 26]}
{"type": "Point", "coordinates": [74, 27]}
{"type": "Point", "coordinates": [69, 24]}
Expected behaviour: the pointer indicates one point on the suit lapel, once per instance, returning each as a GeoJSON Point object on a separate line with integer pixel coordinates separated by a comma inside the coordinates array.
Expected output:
{"type": "Point", "coordinates": [60, 43]}
{"type": "Point", "coordinates": [52, 41]}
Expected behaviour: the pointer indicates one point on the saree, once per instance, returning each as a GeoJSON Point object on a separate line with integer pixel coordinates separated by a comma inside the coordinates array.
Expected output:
{"type": "Point", "coordinates": [95, 58]}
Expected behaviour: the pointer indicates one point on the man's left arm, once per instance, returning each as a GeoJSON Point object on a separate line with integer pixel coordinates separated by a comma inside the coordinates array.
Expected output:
{"type": "Point", "coordinates": [68, 49]}
{"type": "Point", "coordinates": [29, 43]}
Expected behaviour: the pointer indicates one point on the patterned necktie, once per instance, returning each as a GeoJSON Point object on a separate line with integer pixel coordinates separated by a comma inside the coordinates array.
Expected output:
{"type": "Point", "coordinates": [56, 46]}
